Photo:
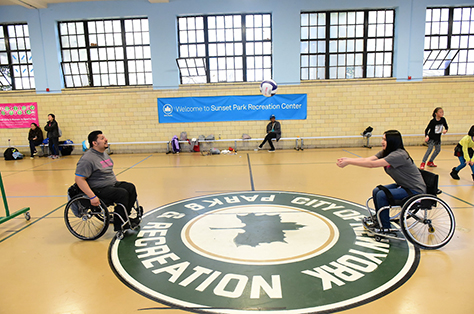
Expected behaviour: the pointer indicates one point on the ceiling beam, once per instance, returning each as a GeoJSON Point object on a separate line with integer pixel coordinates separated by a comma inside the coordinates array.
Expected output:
{"type": "Point", "coordinates": [158, 1]}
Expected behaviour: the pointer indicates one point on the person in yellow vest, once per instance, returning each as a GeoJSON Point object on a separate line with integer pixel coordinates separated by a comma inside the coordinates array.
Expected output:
{"type": "Point", "coordinates": [464, 151]}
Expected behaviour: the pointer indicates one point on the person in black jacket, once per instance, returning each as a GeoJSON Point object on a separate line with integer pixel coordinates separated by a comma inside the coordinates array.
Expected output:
{"type": "Point", "coordinates": [433, 131]}
{"type": "Point", "coordinates": [53, 136]}
{"type": "Point", "coordinates": [273, 132]}
{"type": "Point", "coordinates": [35, 137]}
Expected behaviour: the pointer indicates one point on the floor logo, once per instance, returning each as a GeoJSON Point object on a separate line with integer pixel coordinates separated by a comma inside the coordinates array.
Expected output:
{"type": "Point", "coordinates": [276, 252]}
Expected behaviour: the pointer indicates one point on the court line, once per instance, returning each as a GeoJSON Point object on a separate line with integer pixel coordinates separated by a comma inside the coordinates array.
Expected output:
{"type": "Point", "coordinates": [126, 169]}
{"type": "Point", "coordinates": [344, 150]}
{"type": "Point", "coordinates": [457, 198]}
{"type": "Point", "coordinates": [32, 223]}
{"type": "Point", "coordinates": [61, 206]}
{"type": "Point", "coordinates": [250, 172]}
{"type": "Point", "coordinates": [35, 196]}
{"type": "Point", "coordinates": [13, 172]}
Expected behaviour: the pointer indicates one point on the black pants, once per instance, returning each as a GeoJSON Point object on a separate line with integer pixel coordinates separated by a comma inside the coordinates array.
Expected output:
{"type": "Point", "coordinates": [53, 145]}
{"type": "Point", "coordinates": [33, 144]}
{"type": "Point", "coordinates": [122, 192]}
{"type": "Point", "coordinates": [269, 138]}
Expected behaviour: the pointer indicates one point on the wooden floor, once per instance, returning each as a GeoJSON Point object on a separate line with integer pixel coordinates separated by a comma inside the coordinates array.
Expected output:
{"type": "Point", "coordinates": [44, 269]}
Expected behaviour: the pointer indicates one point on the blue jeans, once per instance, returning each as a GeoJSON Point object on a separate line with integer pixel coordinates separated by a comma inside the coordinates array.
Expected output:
{"type": "Point", "coordinates": [381, 200]}
{"type": "Point", "coordinates": [463, 164]}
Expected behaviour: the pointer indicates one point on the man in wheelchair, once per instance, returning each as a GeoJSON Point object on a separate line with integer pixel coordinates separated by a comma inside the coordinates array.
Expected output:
{"type": "Point", "coordinates": [95, 177]}
{"type": "Point", "coordinates": [398, 165]}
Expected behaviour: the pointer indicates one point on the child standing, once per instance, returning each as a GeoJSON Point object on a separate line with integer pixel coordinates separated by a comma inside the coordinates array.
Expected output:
{"type": "Point", "coordinates": [464, 151]}
{"type": "Point", "coordinates": [433, 131]}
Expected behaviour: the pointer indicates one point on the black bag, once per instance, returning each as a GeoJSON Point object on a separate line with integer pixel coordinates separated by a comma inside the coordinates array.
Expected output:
{"type": "Point", "coordinates": [73, 190]}
{"type": "Point", "coordinates": [65, 147]}
{"type": "Point", "coordinates": [458, 150]}
{"type": "Point", "coordinates": [11, 153]}
{"type": "Point", "coordinates": [459, 153]}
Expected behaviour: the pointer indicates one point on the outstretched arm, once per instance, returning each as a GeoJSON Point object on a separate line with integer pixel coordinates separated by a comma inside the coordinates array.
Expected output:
{"type": "Point", "coordinates": [369, 162]}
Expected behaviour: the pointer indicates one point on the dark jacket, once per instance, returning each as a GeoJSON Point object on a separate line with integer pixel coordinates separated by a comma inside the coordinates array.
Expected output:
{"type": "Point", "coordinates": [435, 129]}
{"type": "Point", "coordinates": [52, 128]}
{"type": "Point", "coordinates": [38, 133]}
{"type": "Point", "coordinates": [276, 129]}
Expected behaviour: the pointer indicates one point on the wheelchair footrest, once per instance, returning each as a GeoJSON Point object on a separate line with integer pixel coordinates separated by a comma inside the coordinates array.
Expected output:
{"type": "Point", "coordinates": [378, 232]}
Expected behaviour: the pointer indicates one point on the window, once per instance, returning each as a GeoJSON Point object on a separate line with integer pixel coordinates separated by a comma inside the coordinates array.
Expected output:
{"type": "Point", "coordinates": [16, 65]}
{"type": "Point", "coordinates": [106, 52]}
{"type": "Point", "coordinates": [235, 48]}
{"type": "Point", "coordinates": [449, 41]}
{"type": "Point", "coordinates": [346, 45]}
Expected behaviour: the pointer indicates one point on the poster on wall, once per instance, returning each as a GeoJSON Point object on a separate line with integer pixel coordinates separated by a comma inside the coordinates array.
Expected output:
{"type": "Point", "coordinates": [232, 108]}
{"type": "Point", "coordinates": [18, 115]}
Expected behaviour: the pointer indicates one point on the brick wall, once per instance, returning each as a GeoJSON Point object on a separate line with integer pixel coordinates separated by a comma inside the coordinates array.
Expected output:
{"type": "Point", "coordinates": [335, 108]}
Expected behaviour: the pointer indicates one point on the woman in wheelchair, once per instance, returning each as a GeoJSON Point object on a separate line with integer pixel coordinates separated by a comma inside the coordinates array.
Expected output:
{"type": "Point", "coordinates": [399, 166]}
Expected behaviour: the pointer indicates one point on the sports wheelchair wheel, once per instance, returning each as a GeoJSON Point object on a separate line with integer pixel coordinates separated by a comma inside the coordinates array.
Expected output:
{"type": "Point", "coordinates": [427, 221]}
{"type": "Point", "coordinates": [84, 221]}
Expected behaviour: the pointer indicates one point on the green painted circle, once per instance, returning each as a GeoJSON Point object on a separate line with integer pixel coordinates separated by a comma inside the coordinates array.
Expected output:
{"type": "Point", "coordinates": [170, 261]}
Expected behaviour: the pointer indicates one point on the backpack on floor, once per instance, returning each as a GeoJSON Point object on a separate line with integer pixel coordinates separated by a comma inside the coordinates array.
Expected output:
{"type": "Point", "coordinates": [66, 147]}
{"type": "Point", "coordinates": [174, 145]}
{"type": "Point", "coordinates": [11, 153]}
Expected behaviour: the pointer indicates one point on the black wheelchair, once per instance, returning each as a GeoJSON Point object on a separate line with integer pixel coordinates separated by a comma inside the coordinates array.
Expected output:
{"type": "Point", "coordinates": [423, 219]}
{"type": "Point", "coordinates": [88, 222]}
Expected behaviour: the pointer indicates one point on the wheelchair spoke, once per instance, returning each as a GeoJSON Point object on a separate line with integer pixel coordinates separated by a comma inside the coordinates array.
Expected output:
{"type": "Point", "coordinates": [427, 221]}
{"type": "Point", "coordinates": [83, 221]}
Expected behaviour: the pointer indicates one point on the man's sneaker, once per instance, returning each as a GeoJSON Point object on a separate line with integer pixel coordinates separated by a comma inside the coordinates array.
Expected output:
{"type": "Point", "coordinates": [422, 166]}
{"type": "Point", "coordinates": [259, 147]}
{"type": "Point", "coordinates": [431, 164]}
{"type": "Point", "coordinates": [271, 151]}
{"type": "Point", "coordinates": [134, 222]}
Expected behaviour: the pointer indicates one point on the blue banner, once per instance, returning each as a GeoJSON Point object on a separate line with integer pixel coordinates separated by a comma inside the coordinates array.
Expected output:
{"type": "Point", "coordinates": [232, 108]}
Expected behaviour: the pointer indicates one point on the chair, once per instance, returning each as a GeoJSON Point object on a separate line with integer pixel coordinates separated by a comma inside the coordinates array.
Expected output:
{"type": "Point", "coordinates": [424, 219]}
{"type": "Point", "coordinates": [88, 222]}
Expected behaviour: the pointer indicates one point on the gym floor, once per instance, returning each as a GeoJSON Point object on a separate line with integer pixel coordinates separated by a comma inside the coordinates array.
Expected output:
{"type": "Point", "coordinates": [45, 269]}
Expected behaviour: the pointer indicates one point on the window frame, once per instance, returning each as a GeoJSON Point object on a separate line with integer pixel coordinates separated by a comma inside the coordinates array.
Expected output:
{"type": "Point", "coordinates": [442, 40]}
{"type": "Point", "coordinates": [85, 63]}
{"type": "Point", "coordinates": [203, 36]}
{"type": "Point", "coordinates": [16, 69]}
{"type": "Point", "coordinates": [315, 65]}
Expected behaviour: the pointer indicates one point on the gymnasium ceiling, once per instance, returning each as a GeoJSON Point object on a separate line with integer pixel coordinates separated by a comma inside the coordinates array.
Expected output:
{"type": "Point", "coordinates": [42, 4]}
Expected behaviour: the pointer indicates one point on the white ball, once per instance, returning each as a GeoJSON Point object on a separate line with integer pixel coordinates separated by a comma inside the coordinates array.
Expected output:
{"type": "Point", "coordinates": [268, 88]}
